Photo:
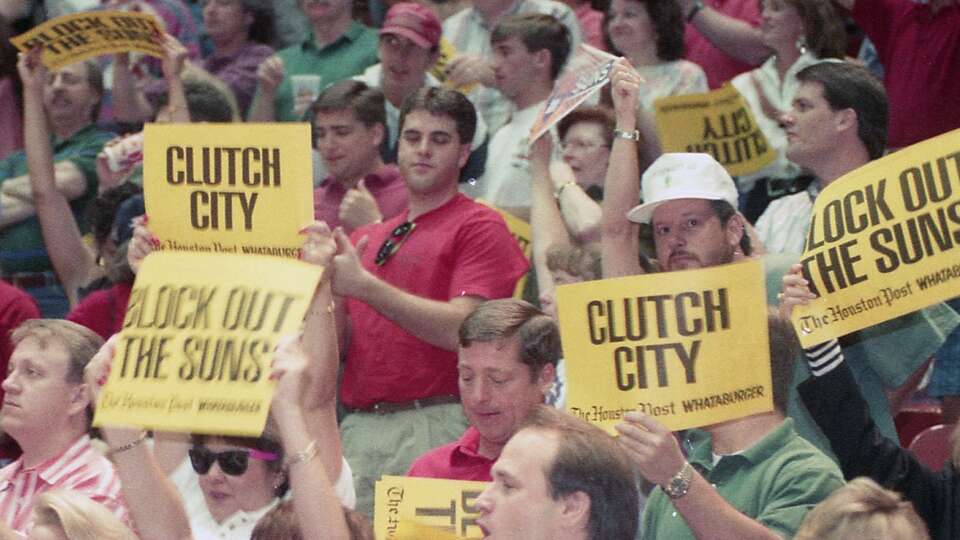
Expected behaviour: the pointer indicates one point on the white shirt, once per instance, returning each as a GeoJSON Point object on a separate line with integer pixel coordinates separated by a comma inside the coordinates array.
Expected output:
{"type": "Point", "coordinates": [469, 34]}
{"type": "Point", "coordinates": [240, 525]}
{"type": "Point", "coordinates": [780, 95]}
{"type": "Point", "coordinates": [506, 179]}
{"type": "Point", "coordinates": [674, 78]}
{"type": "Point", "coordinates": [782, 228]}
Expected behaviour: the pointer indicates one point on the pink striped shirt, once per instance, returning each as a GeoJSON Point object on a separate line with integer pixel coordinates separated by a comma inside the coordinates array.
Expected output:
{"type": "Point", "coordinates": [80, 468]}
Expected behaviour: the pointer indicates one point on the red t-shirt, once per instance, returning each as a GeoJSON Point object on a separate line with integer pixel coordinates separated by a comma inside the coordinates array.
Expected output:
{"type": "Point", "coordinates": [459, 249]}
{"type": "Point", "coordinates": [718, 65]}
{"type": "Point", "coordinates": [921, 58]}
{"type": "Point", "coordinates": [458, 460]}
{"type": "Point", "coordinates": [386, 186]}
{"type": "Point", "coordinates": [16, 306]}
{"type": "Point", "coordinates": [103, 311]}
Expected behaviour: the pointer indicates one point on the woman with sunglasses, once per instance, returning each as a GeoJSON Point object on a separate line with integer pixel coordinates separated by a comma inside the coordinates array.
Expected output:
{"type": "Point", "coordinates": [227, 484]}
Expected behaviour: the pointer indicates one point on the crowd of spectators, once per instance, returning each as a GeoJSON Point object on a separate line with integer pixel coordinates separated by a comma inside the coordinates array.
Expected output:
{"type": "Point", "coordinates": [413, 359]}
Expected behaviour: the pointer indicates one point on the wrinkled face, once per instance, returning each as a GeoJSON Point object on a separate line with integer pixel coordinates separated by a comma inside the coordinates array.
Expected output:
{"type": "Point", "coordinates": [511, 66]}
{"type": "Point", "coordinates": [587, 153]}
{"type": "Point", "coordinates": [630, 27]}
{"type": "Point", "coordinates": [347, 146]}
{"type": "Point", "coordinates": [688, 234]}
{"type": "Point", "coordinates": [548, 301]}
{"type": "Point", "coordinates": [404, 62]}
{"type": "Point", "coordinates": [430, 154]}
{"type": "Point", "coordinates": [496, 388]}
{"type": "Point", "coordinates": [517, 504]}
{"type": "Point", "coordinates": [225, 19]}
{"type": "Point", "coordinates": [318, 11]}
{"type": "Point", "coordinates": [226, 494]}
{"type": "Point", "coordinates": [809, 125]}
{"type": "Point", "coordinates": [37, 394]}
{"type": "Point", "coordinates": [782, 25]}
{"type": "Point", "coordinates": [68, 97]}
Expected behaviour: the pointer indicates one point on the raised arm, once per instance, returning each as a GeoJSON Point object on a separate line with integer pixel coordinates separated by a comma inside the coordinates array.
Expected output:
{"type": "Point", "coordinates": [733, 36]}
{"type": "Point", "coordinates": [70, 257]}
{"type": "Point", "coordinates": [269, 76]}
{"type": "Point", "coordinates": [546, 222]}
{"type": "Point", "coordinates": [129, 102]}
{"type": "Point", "coordinates": [620, 246]}
{"type": "Point", "coordinates": [151, 498]}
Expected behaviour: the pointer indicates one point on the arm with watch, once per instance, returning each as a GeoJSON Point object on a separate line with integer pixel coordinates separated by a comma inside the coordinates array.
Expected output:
{"type": "Point", "coordinates": [733, 36]}
{"type": "Point", "coordinates": [656, 455]}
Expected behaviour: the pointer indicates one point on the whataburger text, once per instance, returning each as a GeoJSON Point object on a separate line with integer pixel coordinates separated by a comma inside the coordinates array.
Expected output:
{"type": "Point", "coordinates": [883, 240]}
{"type": "Point", "coordinates": [667, 348]}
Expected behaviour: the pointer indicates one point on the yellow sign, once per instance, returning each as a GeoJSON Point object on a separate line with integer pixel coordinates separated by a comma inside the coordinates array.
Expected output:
{"type": "Point", "coordinates": [689, 349]}
{"type": "Point", "coordinates": [229, 188]}
{"type": "Point", "coordinates": [520, 230]}
{"type": "Point", "coordinates": [439, 69]}
{"type": "Point", "coordinates": [408, 508]}
{"type": "Point", "coordinates": [719, 123]}
{"type": "Point", "coordinates": [197, 341]}
{"type": "Point", "coordinates": [884, 240]}
{"type": "Point", "coordinates": [76, 37]}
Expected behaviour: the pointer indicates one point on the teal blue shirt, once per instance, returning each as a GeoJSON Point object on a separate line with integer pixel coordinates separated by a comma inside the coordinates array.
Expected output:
{"type": "Point", "coordinates": [348, 55]}
{"type": "Point", "coordinates": [21, 244]}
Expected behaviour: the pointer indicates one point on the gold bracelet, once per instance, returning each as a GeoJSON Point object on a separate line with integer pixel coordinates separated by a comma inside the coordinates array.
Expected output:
{"type": "Point", "coordinates": [129, 446]}
{"type": "Point", "coordinates": [559, 191]}
{"type": "Point", "coordinates": [307, 454]}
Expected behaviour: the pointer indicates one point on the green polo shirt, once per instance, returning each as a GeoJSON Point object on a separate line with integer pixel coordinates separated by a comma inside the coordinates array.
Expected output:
{"type": "Point", "coordinates": [776, 482]}
{"type": "Point", "coordinates": [21, 244]}
{"type": "Point", "coordinates": [349, 55]}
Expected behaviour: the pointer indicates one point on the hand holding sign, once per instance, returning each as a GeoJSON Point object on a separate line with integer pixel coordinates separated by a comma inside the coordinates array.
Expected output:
{"type": "Point", "coordinates": [141, 243]}
{"type": "Point", "coordinates": [33, 74]}
{"type": "Point", "coordinates": [174, 56]}
{"type": "Point", "coordinates": [290, 370]}
{"type": "Point", "coordinates": [795, 291]}
{"type": "Point", "coordinates": [652, 447]}
{"type": "Point", "coordinates": [625, 86]}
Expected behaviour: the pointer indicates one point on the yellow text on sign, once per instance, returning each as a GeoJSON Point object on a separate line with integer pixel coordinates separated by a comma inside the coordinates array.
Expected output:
{"type": "Point", "coordinates": [406, 507]}
{"type": "Point", "coordinates": [72, 38]}
{"type": "Point", "coordinates": [719, 123]}
{"type": "Point", "coordinates": [884, 240]}
{"type": "Point", "coordinates": [229, 188]}
{"type": "Point", "coordinates": [689, 348]}
{"type": "Point", "coordinates": [198, 338]}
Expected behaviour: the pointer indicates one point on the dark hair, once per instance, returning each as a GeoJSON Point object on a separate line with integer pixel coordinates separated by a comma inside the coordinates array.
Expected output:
{"type": "Point", "coordinates": [367, 104]}
{"type": "Point", "coordinates": [724, 211]}
{"type": "Point", "coordinates": [262, 29]}
{"type": "Point", "coordinates": [590, 114]}
{"type": "Point", "coordinates": [268, 442]}
{"type": "Point", "coordinates": [666, 18]}
{"type": "Point", "coordinates": [443, 102]}
{"type": "Point", "coordinates": [590, 461]}
{"type": "Point", "coordinates": [784, 348]}
{"type": "Point", "coordinates": [100, 213]}
{"type": "Point", "coordinates": [208, 98]}
{"type": "Point", "coordinates": [537, 333]}
{"type": "Point", "coordinates": [537, 31]}
{"type": "Point", "coordinates": [850, 86]}
{"type": "Point", "coordinates": [280, 522]}
{"type": "Point", "coordinates": [823, 32]}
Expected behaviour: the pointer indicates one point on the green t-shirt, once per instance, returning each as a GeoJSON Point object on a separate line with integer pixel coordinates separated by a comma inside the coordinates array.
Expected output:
{"type": "Point", "coordinates": [776, 482]}
{"type": "Point", "coordinates": [349, 55]}
{"type": "Point", "coordinates": [21, 244]}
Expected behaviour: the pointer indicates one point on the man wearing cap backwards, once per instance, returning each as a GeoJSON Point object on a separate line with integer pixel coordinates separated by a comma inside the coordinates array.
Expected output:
{"type": "Point", "coordinates": [689, 204]}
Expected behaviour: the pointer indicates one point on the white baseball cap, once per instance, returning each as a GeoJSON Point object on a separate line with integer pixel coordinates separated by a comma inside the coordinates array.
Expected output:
{"type": "Point", "coordinates": [683, 176]}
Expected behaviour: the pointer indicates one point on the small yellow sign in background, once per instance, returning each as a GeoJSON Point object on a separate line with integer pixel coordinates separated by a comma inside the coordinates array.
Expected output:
{"type": "Point", "coordinates": [408, 508]}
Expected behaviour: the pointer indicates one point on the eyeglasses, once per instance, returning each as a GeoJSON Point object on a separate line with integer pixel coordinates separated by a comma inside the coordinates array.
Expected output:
{"type": "Point", "coordinates": [232, 462]}
{"type": "Point", "coordinates": [392, 244]}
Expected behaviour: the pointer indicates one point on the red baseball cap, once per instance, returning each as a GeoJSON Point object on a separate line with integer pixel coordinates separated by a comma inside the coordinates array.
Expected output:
{"type": "Point", "coordinates": [415, 22]}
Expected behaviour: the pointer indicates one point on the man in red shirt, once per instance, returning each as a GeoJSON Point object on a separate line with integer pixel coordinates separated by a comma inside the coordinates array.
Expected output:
{"type": "Point", "coordinates": [508, 356]}
{"type": "Point", "coordinates": [409, 282]}
{"type": "Point", "coordinates": [46, 409]}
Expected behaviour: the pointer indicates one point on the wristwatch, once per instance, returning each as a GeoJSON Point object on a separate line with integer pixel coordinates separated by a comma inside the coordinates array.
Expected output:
{"type": "Point", "coordinates": [680, 483]}
{"type": "Point", "coordinates": [628, 135]}
{"type": "Point", "coordinates": [697, 6]}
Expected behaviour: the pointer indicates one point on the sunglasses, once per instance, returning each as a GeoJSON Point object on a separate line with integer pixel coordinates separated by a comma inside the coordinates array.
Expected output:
{"type": "Point", "coordinates": [232, 462]}
{"type": "Point", "coordinates": [393, 242]}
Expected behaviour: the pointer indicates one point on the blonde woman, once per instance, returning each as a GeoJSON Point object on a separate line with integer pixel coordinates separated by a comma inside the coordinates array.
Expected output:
{"type": "Point", "coordinates": [62, 514]}
{"type": "Point", "coordinates": [863, 509]}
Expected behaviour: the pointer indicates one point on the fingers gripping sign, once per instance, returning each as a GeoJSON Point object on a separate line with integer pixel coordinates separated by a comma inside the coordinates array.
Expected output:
{"type": "Point", "coordinates": [652, 448]}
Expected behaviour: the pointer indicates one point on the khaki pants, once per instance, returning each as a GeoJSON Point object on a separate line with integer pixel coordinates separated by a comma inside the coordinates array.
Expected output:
{"type": "Point", "coordinates": [387, 444]}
